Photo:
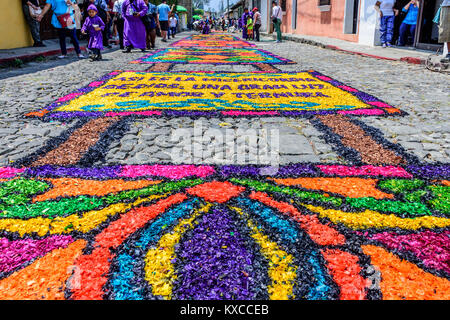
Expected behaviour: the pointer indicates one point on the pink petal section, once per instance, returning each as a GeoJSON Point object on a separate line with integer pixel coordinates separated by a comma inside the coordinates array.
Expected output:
{"type": "Point", "coordinates": [95, 84]}
{"type": "Point", "coordinates": [379, 104]}
{"type": "Point", "coordinates": [167, 171]}
{"type": "Point", "coordinates": [17, 252]}
{"type": "Point", "coordinates": [249, 113]}
{"type": "Point", "coordinates": [349, 89]}
{"type": "Point", "coordinates": [388, 171]}
{"type": "Point", "coordinates": [128, 113]}
{"type": "Point", "coordinates": [69, 96]}
{"type": "Point", "coordinates": [367, 112]}
{"type": "Point", "coordinates": [8, 172]}
{"type": "Point", "coordinates": [324, 78]}
{"type": "Point", "coordinates": [431, 247]}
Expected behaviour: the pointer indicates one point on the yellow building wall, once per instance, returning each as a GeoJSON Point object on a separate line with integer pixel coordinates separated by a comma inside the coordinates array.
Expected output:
{"type": "Point", "coordinates": [14, 30]}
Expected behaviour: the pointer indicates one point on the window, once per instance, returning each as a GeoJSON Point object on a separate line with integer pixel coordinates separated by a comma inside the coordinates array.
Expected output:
{"type": "Point", "coordinates": [283, 5]}
{"type": "Point", "coordinates": [324, 5]}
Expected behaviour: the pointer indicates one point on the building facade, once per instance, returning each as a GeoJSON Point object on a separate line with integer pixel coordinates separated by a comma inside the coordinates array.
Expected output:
{"type": "Point", "coordinates": [350, 20]}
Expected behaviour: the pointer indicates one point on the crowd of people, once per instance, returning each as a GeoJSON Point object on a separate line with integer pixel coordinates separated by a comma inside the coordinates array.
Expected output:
{"type": "Point", "coordinates": [134, 24]}
{"type": "Point", "coordinates": [249, 23]}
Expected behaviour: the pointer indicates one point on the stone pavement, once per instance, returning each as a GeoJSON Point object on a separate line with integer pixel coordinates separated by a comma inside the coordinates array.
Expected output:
{"type": "Point", "coordinates": [422, 94]}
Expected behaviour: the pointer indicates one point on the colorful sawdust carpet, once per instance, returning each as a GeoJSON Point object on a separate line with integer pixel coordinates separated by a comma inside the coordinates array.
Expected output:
{"type": "Point", "coordinates": [215, 56]}
{"type": "Point", "coordinates": [232, 232]}
{"type": "Point", "coordinates": [212, 43]}
{"type": "Point", "coordinates": [226, 37]}
{"type": "Point", "coordinates": [290, 94]}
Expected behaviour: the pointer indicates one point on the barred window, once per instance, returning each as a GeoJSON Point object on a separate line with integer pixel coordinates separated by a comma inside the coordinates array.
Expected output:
{"type": "Point", "coordinates": [324, 2]}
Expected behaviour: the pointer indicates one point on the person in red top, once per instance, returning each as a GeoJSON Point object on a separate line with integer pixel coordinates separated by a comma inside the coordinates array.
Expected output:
{"type": "Point", "coordinates": [256, 22]}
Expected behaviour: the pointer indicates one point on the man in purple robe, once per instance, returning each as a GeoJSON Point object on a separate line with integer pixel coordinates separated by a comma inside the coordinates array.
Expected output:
{"type": "Point", "coordinates": [94, 25]}
{"type": "Point", "coordinates": [134, 29]}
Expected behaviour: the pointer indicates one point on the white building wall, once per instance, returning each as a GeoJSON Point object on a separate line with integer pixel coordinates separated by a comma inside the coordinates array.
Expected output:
{"type": "Point", "coordinates": [369, 24]}
{"type": "Point", "coordinates": [264, 18]}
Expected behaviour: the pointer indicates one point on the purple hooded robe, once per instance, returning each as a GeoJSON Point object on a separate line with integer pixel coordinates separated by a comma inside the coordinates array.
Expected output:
{"type": "Point", "coordinates": [134, 29]}
{"type": "Point", "coordinates": [244, 24]}
{"type": "Point", "coordinates": [95, 37]}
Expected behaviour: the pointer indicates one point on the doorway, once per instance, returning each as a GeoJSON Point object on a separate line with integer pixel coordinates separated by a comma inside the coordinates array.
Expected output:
{"type": "Point", "coordinates": [427, 31]}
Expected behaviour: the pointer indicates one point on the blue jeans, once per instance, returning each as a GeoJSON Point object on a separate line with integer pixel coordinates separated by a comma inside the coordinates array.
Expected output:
{"type": "Point", "coordinates": [72, 33]}
{"type": "Point", "coordinates": [386, 28]}
{"type": "Point", "coordinates": [405, 31]}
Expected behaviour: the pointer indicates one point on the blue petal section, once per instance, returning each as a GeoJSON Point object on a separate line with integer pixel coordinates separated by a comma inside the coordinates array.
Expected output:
{"type": "Point", "coordinates": [127, 279]}
{"type": "Point", "coordinates": [309, 257]}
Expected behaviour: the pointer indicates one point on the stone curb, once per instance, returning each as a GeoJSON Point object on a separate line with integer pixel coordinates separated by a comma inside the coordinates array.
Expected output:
{"type": "Point", "coordinates": [30, 57]}
{"type": "Point", "coordinates": [412, 60]}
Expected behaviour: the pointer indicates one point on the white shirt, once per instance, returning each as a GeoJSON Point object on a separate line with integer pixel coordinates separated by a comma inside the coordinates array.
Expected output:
{"type": "Point", "coordinates": [277, 12]}
{"type": "Point", "coordinates": [386, 7]}
{"type": "Point", "coordinates": [172, 22]}
{"type": "Point", "coordinates": [118, 7]}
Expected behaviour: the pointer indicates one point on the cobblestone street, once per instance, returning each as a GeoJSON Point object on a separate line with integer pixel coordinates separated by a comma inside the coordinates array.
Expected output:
{"type": "Point", "coordinates": [424, 95]}
{"type": "Point", "coordinates": [214, 168]}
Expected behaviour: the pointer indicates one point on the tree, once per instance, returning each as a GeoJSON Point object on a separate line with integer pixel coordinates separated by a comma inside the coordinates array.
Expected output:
{"type": "Point", "coordinates": [200, 4]}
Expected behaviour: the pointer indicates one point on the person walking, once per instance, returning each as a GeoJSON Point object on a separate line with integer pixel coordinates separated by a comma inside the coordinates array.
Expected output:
{"type": "Point", "coordinates": [163, 18]}
{"type": "Point", "coordinates": [63, 20]}
{"type": "Point", "coordinates": [134, 35]}
{"type": "Point", "coordinates": [387, 16]}
{"type": "Point", "coordinates": [31, 10]}
{"type": "Point", "coordinates": [152, 23]}
{"type": "Point", "coordinates": [94, 25]}
{"type": "Point", "coordinates": [119, 20]}
{"type": "Point", "coordinates": [256, 22]}
{"type": "Point", "coordinates": [172, 25]}
{"type": "Point", "coordinates": [103, 14]}
{"type": "Point", "coordinates": [408, 26]}
{"type": "Point", "coordinates": [277, 16]}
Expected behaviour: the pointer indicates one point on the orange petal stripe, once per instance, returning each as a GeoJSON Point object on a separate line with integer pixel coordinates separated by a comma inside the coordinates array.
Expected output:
{"type": "Point", "coordinates": [348, 187]}
{"type": "Point", "coordinates": [45, 278]}
{"type": "Point", "coordinates": [319, 233]}
{"type": "Point", "coordinates": [93, 268]}
{"type": "Point", "coordinates": [69, 187]}
{"type": "Point", "coordinates": [216, 191]}
{"type": "Point", "coordinates": [402, 280]}
{"type": "Point", "coordinates": [345, 270]}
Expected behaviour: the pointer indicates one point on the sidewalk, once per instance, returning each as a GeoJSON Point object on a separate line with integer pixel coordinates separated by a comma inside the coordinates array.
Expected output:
{"type": "Point", "coordinates": [29, 53]}
{"type": "Point", "coordinates": [410, 55]}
